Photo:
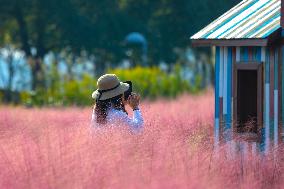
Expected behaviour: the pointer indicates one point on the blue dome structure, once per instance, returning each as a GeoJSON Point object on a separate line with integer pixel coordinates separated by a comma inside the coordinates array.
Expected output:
{"type": "Point", "coordinates": [138, 38]}
{"type": "Point", "coordinates": [135, 37]}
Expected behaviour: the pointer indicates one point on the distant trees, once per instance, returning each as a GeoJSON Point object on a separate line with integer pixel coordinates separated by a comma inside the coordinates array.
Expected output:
{"type": "Point", "coordinates": [99, 26]}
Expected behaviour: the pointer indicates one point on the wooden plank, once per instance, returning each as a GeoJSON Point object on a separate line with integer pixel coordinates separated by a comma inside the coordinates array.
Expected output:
{"type": "Point", "coordinates": [229, 87]}
{"type": "Point", "coordinates": [248, 66]}
{"type": "Point", "coordinates": [235, 94]}
{"type": "Point", "coordinates": [229, 43]}
{"type": "Point", "coordinates": [221, 120]}
{"type": "Point", "coordinates": [259, 98]}
{"type": "Point", "coordinates": [263, 60]}
{"type": "Point", "coordinates": [238, 54]}
{"type": "Point", "coordinates": [258, 55]}
{"type": "Point", "coordinates": [263, 54]}
{"type": "Point", "coordinates": [250, 54]}
{"type": "Point", "coordinates": [225, 84]}
{"type": "Point", "coordinates": [275, 97]}
{"type": "Point", "coordinates": [280, 90]}
{"type": "Point", "coordinates": [232, 85]}
{"type": "Point", "coordinates": [217, 111]}
{"type": "Point", "coordinates": [254, 53]}
{"type": "Point", "coordinates": [244, 54]}
{"type": "Point", "coordinates": [271, 90]}
{"type": "Point", "coordinates": [267, 94]}
{"type": "Point", "coordinates": [221, 78]}
{"type": "Point", "coordinates": [275, 123]}
{"type": "Point", "coordinates": [221, 72]}
{"type": "Point", "coordinates": [216, 133]}
{"type": "Point", "coordinates": [217, 77]}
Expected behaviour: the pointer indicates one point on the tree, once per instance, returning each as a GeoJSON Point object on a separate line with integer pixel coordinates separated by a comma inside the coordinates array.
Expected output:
{"type": "Point", "coordinates": [99, 27]}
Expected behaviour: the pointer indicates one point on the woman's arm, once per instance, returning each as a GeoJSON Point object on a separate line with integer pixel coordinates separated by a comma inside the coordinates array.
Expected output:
{"type": "Point", "coordinates": [135, 123]}
{"type": "Point", "coordinates": [134, 101]}
{"type": "Point", "coordinates": [137, 119]}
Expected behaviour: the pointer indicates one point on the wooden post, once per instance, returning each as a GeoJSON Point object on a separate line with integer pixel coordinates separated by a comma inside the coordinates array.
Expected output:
{"type": "Point", "coordinates": [282, 14]}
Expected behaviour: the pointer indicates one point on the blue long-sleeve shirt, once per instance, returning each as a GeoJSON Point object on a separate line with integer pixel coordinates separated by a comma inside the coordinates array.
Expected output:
{"type": "Point", "coordinates": [118, 117]}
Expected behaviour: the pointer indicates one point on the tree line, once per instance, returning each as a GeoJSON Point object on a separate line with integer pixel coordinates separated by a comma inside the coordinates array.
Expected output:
{"type": "Point", "coordinates": [99, 27]}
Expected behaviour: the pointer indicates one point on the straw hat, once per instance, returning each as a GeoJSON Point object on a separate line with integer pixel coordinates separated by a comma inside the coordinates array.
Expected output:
{"type": "Point", "coordinates": [109, 86]}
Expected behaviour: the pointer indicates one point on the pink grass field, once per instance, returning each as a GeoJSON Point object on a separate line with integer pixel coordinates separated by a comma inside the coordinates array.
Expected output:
{"type": "Point", "coordinates": [52, 148]}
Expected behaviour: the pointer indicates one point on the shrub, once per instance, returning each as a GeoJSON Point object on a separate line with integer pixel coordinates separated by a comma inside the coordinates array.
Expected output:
{"type": "Point", "coordinates": [153, 82]}
{"type": "Point", "coordinates": [149, 82]}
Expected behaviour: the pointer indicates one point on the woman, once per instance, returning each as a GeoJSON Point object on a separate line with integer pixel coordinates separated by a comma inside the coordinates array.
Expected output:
{"type": "Point", "coordinates": [110, 104]}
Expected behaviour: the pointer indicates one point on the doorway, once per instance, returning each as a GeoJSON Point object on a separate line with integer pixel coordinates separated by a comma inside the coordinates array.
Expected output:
{"type": "Point", "coordinates": [248, 97]}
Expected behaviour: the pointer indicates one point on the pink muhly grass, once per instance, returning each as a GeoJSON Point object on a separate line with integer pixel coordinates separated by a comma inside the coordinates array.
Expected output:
{"type": "Point", "coordinates": [56, 148]}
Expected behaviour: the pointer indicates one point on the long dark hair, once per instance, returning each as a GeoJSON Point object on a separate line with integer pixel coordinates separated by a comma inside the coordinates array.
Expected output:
{"type": "Point", "coordinates": [102, 107]}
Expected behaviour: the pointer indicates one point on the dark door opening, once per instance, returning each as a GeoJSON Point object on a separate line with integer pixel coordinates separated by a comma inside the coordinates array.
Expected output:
{"type": "Point", "coordinates": [247, 101]}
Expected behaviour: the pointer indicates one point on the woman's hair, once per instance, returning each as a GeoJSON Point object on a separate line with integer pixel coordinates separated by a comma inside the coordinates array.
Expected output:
{"type": "Point", "coordinates": [102, 107]}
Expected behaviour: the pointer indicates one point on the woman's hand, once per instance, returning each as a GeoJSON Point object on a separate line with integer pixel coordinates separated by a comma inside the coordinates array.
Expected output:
{"type": "Point", "coordinates": [134, 100]}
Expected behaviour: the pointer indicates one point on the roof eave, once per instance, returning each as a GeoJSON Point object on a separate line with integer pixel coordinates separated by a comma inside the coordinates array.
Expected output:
{"type": "Point", "coordinates": [260, 42]}
{"type": "Point", "coordinates": [228, 42]}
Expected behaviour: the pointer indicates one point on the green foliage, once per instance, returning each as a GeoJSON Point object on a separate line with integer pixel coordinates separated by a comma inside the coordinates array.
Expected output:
{"type": "Point", "coordinates": [100, 26]}
{"type": "Point", "coordinates": [62, 94]}
{"type": "Point", "coordinates": [149, 82]}
{"type": "Point", "coordinates": [153, 82]}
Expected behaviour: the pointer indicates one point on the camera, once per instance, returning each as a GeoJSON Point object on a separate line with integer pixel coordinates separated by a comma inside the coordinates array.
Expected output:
{"type": "Point", "coordinates": [129, 91]}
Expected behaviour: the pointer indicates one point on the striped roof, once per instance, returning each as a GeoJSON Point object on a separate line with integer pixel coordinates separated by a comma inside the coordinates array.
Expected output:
{"type": "Point", "coordinates": [250, 19]}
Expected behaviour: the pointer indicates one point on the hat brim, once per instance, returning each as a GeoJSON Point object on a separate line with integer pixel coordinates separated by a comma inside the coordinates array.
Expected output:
{"type": "Point", "coordinates": [123, 87]}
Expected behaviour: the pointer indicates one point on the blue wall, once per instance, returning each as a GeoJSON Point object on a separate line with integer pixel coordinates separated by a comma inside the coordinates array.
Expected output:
{"type": "Point", "coordinates": [226, 57]}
